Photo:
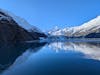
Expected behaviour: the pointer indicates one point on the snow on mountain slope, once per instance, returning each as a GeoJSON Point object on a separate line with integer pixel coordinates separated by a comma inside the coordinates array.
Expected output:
{"type": "Point", "coordinates": [92, 26]}
{"type": "Point", "coordinates": [20, 21]}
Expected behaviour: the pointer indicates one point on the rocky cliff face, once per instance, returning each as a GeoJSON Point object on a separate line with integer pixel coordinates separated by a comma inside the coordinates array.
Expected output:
{"type": "Point", "coordinates": [11, 31]}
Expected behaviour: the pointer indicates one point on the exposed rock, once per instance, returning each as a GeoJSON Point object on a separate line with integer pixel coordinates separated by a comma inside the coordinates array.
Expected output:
{"type": "Point", "coordinates": [11, 31]}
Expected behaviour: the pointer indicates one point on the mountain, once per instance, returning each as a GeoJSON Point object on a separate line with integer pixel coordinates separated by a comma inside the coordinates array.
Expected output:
{"type": "Point", "coordinates": [16, 29]}
{"type": "Point", "coordinates": [88, 29]}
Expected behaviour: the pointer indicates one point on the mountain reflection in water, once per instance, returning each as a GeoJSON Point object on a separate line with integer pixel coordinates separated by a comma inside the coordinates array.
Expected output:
{"type": "Point", "coordinates": [91, 50]}
{"type": "Point", "coordinates": [12, 54]}
{"type": "Point", "coordinates": [55, 58]}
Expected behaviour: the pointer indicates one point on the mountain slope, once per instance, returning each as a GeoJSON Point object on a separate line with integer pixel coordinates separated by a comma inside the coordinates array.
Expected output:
{"type": "Point", "coordinates": [20, 21]}
{"type": "Point", "coordinates": [83, 30]}
{"type": "Point", "coordinates": [13, 31]}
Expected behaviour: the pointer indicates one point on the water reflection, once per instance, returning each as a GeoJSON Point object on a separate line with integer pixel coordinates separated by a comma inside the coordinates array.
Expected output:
{"type": "Point", "coordinates": [91, 50]}
{"type": "Point", "coordinates": [32, 59]}
{"type": "Point", "coordinates": [13, 54]}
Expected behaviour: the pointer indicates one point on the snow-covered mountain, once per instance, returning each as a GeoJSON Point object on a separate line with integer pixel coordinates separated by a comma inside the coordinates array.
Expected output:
{"type": "Point", "coordinates": [93, 26]}
{"type": "Point", "coordinates": [20, 21]}
{"type": "Point", "coordinates": [15, 29]}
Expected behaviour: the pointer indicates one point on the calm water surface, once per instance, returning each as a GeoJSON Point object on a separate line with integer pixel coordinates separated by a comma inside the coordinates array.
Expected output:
{"type": "Point", "coordinates": [56, 58]}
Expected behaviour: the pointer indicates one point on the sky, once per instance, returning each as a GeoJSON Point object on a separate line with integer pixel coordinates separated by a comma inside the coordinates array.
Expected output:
{"type": "Point", "coordinates": [46, 14]}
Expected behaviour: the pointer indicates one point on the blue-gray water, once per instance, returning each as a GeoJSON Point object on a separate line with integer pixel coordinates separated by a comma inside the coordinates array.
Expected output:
{"type": "Point", "coordinates": [56, 58]}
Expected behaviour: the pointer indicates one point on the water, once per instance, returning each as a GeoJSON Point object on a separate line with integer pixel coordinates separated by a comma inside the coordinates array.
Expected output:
{"type": "Point", "coordinates": [55, 58]}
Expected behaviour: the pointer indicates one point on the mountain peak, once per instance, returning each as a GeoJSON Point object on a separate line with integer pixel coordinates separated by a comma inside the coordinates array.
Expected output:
{"type": "Point", "coordinates": [95, 21]}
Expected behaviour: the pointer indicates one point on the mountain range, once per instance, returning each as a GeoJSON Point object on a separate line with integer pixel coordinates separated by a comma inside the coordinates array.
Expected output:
{"type": "Point", "coordinates": [89, 29]}
{"type": "Point", "coordinates": [15, 29]}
